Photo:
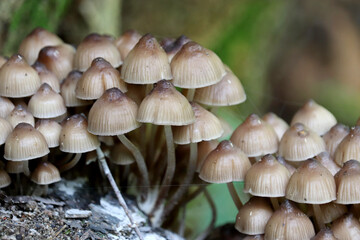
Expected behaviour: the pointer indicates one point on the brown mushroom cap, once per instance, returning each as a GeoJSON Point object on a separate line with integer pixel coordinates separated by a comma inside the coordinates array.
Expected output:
{"type": "Point", "coordinates": [47, 76]}
{"type": "Point", "coordinates": [6, 106]}
{"type": "Point", "coordinates": [349, 147]}
{"type": "Point", "coordinates": [5, 179]}
{"type": "Point", "coordinates": [68, 93]}
{"type": "Point", "coordinates": [334, 137]}
{"type": "Point", "coordinates": [347, 183]}
{"type": "Point", "coordinates": [325, 159]}
{"type": "Point", "coordinates": [6, 129]}
{"type": "Point", "coordinates": [279, 125]}
{"type": "Point", "coordinates": [45, 173]}
{"type": "Point", "coordinates": [331, 211]}
{"type": "Point", "coordinates": [126, 42]}
{"type": "Point", "coordinates": [120, 155]}
{"type": "Point", "coordinates": [204, 148]}
{"type": "Point", "coordinates": [325, 234]}
{"type": "Point", "coordinates": [20, 114]}
{"type": "Point", "coordinates": [50, 129]}
{"type": "Point", "coordinates": [346, 227]}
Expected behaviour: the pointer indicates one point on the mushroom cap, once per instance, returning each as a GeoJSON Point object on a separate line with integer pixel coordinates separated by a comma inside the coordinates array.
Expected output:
{"type": "Point", "coordinates": [99, 77]}
{"type": "Point", "coordinates": [206, 127]}
{"type": "Point", "coordinates": [195, 66]}
{"type": "Point", "coordinates": [349, 147]}
{"type": "Point", "coordinates": [346, 227]}
{"type": "Point", "coordinates": [334, 137]}
{"type": "Point", "coordinates": [253, 216]}
{"type": "Point", "coordinates": [173, 46]}
{"type": "Point", "coordinates": [229, 91]}
{"type": "Point", "coordinates": [35, 41]}
{"type": "Point", "coordinates": [300, 143]}
{"type": "Point", "coordinates": [325, 234]}
{"type": "Point", "coordinates": [6, 129]}
{"type": "Point", "coordinates": [45, 173]}
{"type": "Point", "coordinates": [288, 222]}
{"type": "Point", "coordinates": [93, 46]}
{"type": "Point", "coordinates": [267, 178]}
{"type": "Point", "coordinates": [50, 129]}
{"type": "Point", "coordinates": [112, 114]}
{"type": "Point", "coordinates": [204, 148]}
{"type": "Point", "coordinates": [74, 136]}
{"type": "Point", "coordinates": [25, 143]}
{"type": "Point", "coordinates": [68, 93]}
{"type": "Point", "coordinates": [146, 63]}
{"type": "Point", "coordinates": [279, 125]}
{"type": "Point", "coordinates": [46, 76]}
{"type": "Point", "coordinates": [20, 114]}
{"type": "Point", "coordinates": [126, 42]}
{"type": "Point", "coordinates": [311, 183]}
{"type": "Point", "coordinates": [120, 155]}
{"type": "Point", "coordinates": [226, 163]}
{"type": "Point", "coordinates": [6, 106]}
{"type": "Point", "coordinates": [255, 137]}
{"type": "Point", "coordinates": [46, 103]}
{"type": "Point", "coordinates": [5, 179]}
{"type": "Point", "coordinates": [325, 160]}
{"type": "Point", "coordinates": [315, 117]}
{"type": "Point", "coordinates": [164, 105]}
{"type": "Point", "coordinates": [18, 79]}
{"type": "Point", "coordinates": [331, 211]}
{"type": "Point", "coordinates": [347, 183]}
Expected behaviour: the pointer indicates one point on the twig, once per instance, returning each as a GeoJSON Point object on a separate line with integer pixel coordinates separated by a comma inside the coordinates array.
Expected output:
{"type": "Point", "coordinates": [58, 232]}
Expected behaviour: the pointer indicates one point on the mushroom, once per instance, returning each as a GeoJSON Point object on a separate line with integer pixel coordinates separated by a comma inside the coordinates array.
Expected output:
{"type": "Point", "coordinates": [47, 76]}
{"type": "Point", "coordinates": [20, 114]}
{"type": "Point", "coordinates": [349, 147]}
{"type": "Point", "coordinates": [6, 106]}
{"type": "Point", "coordinates": [334, 137]}
{"type": "Point", "coordinates": [68, 93]}
{"type": "Point", "coordinates": [279, 125]}
{"type": "Point", "coordinates": [44, 174]}
{"type": "Point", "coordinates": [126, 42]}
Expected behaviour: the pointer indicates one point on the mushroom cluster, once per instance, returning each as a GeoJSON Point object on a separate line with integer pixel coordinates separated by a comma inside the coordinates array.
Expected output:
{"type": "Point", "coordinates": [302, 178]}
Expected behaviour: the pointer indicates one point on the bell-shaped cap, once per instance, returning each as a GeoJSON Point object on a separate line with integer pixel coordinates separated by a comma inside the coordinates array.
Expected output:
{"type": "Point", "coordinates": [311, 183]}
{"type": "Point", "coordinates": [5, 179]}
{"type": "Point", "coordinates": [195, 66]}
{"type": "Point", "coordinates": [253, 216]}
{"type": "Point", "coordinates": [35, 41]}
{"type": "Point", "coordinates": [94, 46]}
{"type": "Point", "coordinates": [20, 114]}
{"type": "Point", "coordinates": [349, 147]}
{"type": "Point", "coordinates": [6, 106]}
{"type": "Point", "coordinates": [47, 76]}
{"type": "Point", "coordinates": [68, 93]}
{"type": "Point", "coordinates": [331, 211]}
{"type": "Point", "coordinates": [279, 125]}
{"type": "Point", "coordinates": [255, 137]}
{"type": "Point", "coordinates": [74, 136]}
{"type": "Point", "coordinates": [204, 148]}
{"type": "Point", "coordinates": [18, 79]}
{"type": "Point", "coordinates": [113, 114]}
{"type": "Point", "coordinates": [99, 77]}
{"type": "Point", "coordinates": [25, 143]}
{"type": "Point", "coordinates": [347, 183]}
{"type": "Point", "coordinates": [173, 46]}
{"type": "Point", "coordinates": [46, 103]}
{"type": "Point", "coordinates": [325, 234]}
{"type": "Point", "coordinates": [229, 91]}
{"type": "Point", "coordinates": [315, 117]}
{"type": "Point", "coordinates": [120, 155]}
{"type": "Point", "coordinates": [126, 42]}
{"type": "Point", "coordinates": [267, 178]}
{"type": "Point", "coordinates": [288, 222]}
{"type": "Point", "coordinates": [45, 173]}
{"type": "Point", "coordinates": [334, 137]}
{"type": "Point", "coordinates": [164, 105]}
{"type": "Point", "coordinates": [300, 143]}
{"type": "Point", "coordinates": [206, 127]}
{"type": "Point", "coordinates": [50, 129]}
{"type": "Point", "coordinates": [325, 160]}
{"type": "Point", "coordinates": [226, 163]}
{"type": "Point", "coordinates": [146, 63]}
{"type": "Point", "coordinates": [6, 129]}
{"type": "Point", "coordinates": [346, 228]}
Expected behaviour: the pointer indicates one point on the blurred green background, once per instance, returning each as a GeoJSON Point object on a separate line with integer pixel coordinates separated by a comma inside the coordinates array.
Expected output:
{"type": "Point", "coordinates": [284, 51]}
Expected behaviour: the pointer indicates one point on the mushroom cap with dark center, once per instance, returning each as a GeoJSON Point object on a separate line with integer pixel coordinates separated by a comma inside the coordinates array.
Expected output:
{"type": "Point", "coordinates": [349, 147]}
{"type": "Point", "coordinates": [126, 42]}
{"type": "Point", "coordinates": [68, 93]}
{"type": "Point", "coordinates": [20, 114]}
{"type": "Point", "coordinates": [347, 183]}
{"type": "Point", "coordinates": [279, 125]}
{"type": "Point", "coordinates": [45, 173]}
{"type": "Point", "coordinates": [334, 137]}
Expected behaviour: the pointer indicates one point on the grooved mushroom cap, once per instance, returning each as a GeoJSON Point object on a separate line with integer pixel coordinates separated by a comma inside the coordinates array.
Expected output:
{"type": "Point", "coordinates": [99, 77]}
{"type": "Point", "coordinates": [45, 173]}
{"type": "Point", "coordinates": [6, 106]}
{"type": "Point", "coordinates": [315, 117]}
{"type": "Point", "coordinates": [300, 143]}
{"type": "Point", "coordinates": [204, 148]}
{"type": "Point", "coordinates": [253, 216]}
{"type": "Point", "coordinates": [25, 143]}
{"type": "Point", "coordinates": [47, 76]}
{"type": "Point", "coordinates": [58, 59]}
{"type": "Point", "coordinates": [5, 179]}
{"type": "Point", "coordinates": [311, 183]}
{"type": "Point", "coordinates": [18, 115]}
{"type": "Point", "coordinates": [229, 91]}
{"type": "Point", "coordinates": [325, 160]}
{"type": "Point", "coordinates": [120, 155]}
{"type": "Point", "coordinates": [2, 60]}
{"type": "Point", "coordinates": [334, 137]}
{"type": "Point", "coordinates": [279, 125]}
{"type": "Point", "coordinates": [74, 136]}
{"type": "Point", "coordinates": [18, 79]}
{"type": "Point", "coordinates": [195, 66]}
{"type": "Point", "coordinates": [93, 46]}
{"type": "Point", "coordinates": [267, 178]}
{"type": "Point", "coordinates": [206, 127]}
{"type": "Point", "coordinates": [325, 234]}
{"type": "Point", "coordinates": [346, 227]}
{"type": "Point", "coordinates": [112, 114]}
{"type": "Point", "coordinates": [331, 211]}
{"type": "Point", "coordinates": [254, 237]}
{"type": "Point", "coordinates": [164, 105]}
{"type": "Point", "coordinates": [146, 63]}
{"type": "Point", "coordinates": [35, 41]}
{"type": "Point", "coordinates": [126, 42]}
{"type": "Point", "coordinates": [255, 137]}
{"type": "Point", "coordinates": [226, 163]}
{"type": "Point", "coordinates": [50, 130]}
{"type": "Point", "coordinates": [173, 46]}
{"type": "Point", "coordinates": [288, 222]}
{"type": "Point", "coordinates": [347, 183]}
{"type": "Point", "coordinates": [349, 147]}
{"type": "Point", "coordinates": [46, 103]}
{"type": "Point", "coordinates": [68, 87]}
{"type": "Point", "coordinates": [6, 129]}
{"type": "Point", "coordinates": [288, 166]}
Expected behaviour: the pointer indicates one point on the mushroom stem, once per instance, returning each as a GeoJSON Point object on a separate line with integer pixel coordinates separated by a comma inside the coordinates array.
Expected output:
{"type": "Point", "coordinates": [186, 183]}
{"type": "Point", "coordinates": [44, 189]}
{"type": "Point", "coordinates": [209, 229]}
{"type": "Point", "coordinates": [26, 168]}
{"type": "Point", "coordinates": [169, 172]}
{"type": "Point", "coordinates": [234, 195]}
{"type": "Point", "coordinates": [181, 230]}
{"type": "Point", "coordinates": [120, 198]}
{"type": "Point", "coordinates": [139, 161]}
{"type": "Point", "coordinates": [190, 94]}
{"type": "Point", "coordinates": [317, 214]}
{"type": "Point", "coordinates": [18, 184]}
{"type": "Point", "coordinates": [65, 159]}
{"type": "Point", "coordinates": [275, 202]}
{"type": "Point", "coordinates": [71, 163]}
